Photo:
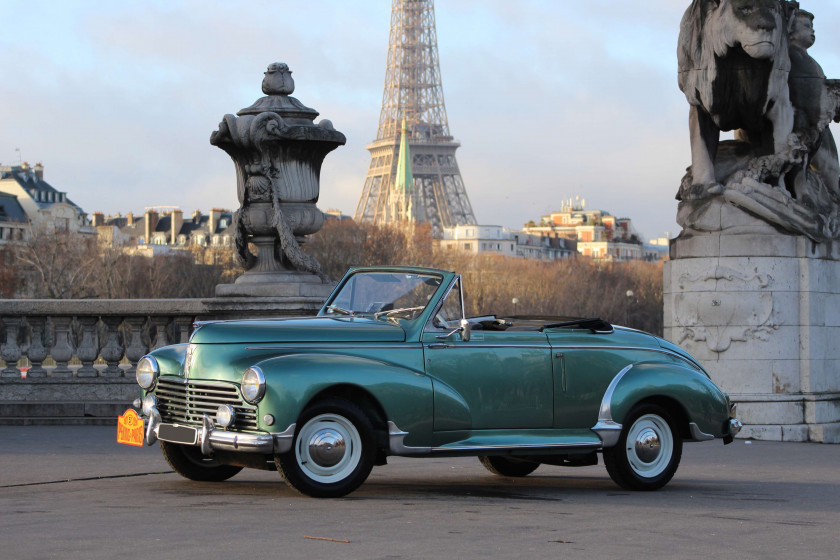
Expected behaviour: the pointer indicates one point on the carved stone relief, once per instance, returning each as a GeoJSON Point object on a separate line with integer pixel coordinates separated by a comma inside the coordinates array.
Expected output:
{"type": "Point", "coordinates": [720, 317]}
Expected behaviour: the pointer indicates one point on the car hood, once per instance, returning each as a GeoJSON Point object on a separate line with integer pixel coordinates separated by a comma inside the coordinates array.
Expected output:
{"type": "Point", "coordinates": [305, 329]}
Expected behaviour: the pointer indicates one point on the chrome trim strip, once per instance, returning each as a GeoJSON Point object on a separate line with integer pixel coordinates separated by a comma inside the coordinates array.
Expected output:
{"type": "Point", "coordinates": [410, 345]}
{"type": "Point", "coordinates": [529, 446]}
{"type": "Point", "coordinates": [607, 429]}
{"type": "Point", "coordinates": [348, 345]}
{"type": "Point", "coordinates": [605, 412]}
{"type": "Point", "coordinates": [429, 326]}
{"type": "Point", "coordinates": [435, 346]}
{"type": "Point", "coordinates": [283, 440]}
{"type": "Point", "coordinates": [396, 445]}
{"type": "Point", "coordinates": [644, 348]}
{"type": "Point", "coordinates": [697, 434]}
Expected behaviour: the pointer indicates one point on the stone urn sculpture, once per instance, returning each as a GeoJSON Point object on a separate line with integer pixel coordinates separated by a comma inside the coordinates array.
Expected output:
{"type": "Point", "coordinates": [277, 150]}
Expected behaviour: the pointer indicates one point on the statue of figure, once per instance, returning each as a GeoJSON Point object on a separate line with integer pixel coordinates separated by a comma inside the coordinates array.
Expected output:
{"type": "Point", "coordinates": [743, 66]}
{"type": "Point", "coordinates": [813, 106]}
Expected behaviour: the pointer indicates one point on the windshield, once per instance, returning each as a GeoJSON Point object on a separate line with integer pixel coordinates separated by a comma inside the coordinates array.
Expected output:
{"type": "Point", "coordinates": [384, 295]}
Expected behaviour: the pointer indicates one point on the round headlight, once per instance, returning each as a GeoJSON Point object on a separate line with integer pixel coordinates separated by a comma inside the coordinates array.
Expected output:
{"type": "Point", "coordinates": [149, 402]}
{"type": "Point", "coordinates": [253, 385]}
{"type": "Point", "coordinates": [147, 372]}
{"type": "Point", "coordinates": [225, 416]}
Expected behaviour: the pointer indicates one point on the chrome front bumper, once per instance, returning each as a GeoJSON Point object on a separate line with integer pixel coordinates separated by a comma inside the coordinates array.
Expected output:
{"type": "Point", "coordinates": [209, 439]}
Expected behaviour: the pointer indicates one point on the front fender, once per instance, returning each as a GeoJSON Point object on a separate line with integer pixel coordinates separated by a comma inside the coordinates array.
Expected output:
{"type": "Point", "coordinates": [293, 380]}
{"type": "Point", "coordinates": [170, 358]}
{"type": "Point", "coordinates": [701, 400]}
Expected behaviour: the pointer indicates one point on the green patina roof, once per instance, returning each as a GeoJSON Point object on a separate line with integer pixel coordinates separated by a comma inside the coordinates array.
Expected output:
{"type": "Point", "coordinates": [405, 177]}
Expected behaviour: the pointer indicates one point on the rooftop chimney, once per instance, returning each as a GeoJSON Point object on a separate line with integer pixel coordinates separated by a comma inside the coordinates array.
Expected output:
{"type": "Point", "coordinates": [177, 224]}
{"type": "Point", "coordinates": [151, 218]}
{"type": "Point", "coordinates": [39, 171]}
{"type": "Point", "coordinates": [98, 219]}
{"type": "Point", "coordinates": [215, 214]}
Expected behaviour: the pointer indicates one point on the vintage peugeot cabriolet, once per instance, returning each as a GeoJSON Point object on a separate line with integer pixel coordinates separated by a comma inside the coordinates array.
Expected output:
{"type": "Point", "coordinates": [391, 366]}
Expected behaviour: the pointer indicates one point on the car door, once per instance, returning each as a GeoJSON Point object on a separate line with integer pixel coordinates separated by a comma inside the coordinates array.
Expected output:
{"type": "Point", "coordinates": [503, 378]}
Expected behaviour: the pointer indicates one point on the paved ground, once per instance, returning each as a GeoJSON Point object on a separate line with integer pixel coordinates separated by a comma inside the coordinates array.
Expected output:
{"type": "Point", "coordinates": [73, 493]}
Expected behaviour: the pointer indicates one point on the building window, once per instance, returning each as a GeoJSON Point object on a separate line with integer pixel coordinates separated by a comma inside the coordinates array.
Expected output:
{"type": "Point", "coordinates": [467, 246]}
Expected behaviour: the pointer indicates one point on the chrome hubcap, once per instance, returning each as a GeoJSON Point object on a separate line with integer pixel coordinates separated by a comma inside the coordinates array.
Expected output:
{"type": "Point", "coordinates": [327, 448]}
{"type": "Point", "coordinates": [648, 445]}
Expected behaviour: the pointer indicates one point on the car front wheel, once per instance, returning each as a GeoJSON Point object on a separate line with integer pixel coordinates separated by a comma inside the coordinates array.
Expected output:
{"type": "Point", "coordinates": [190, 463]}
{"type": "Point", "coordinates": [333, 452]}
{"type": "Point", "coordinates": [648, 452]}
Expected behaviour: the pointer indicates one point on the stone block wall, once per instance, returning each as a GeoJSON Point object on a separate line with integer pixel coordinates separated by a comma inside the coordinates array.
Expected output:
{"type": "Point", "coordinates": [762, 314]}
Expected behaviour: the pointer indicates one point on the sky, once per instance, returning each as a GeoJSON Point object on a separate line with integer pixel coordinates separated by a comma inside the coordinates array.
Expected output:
{"type": "Point", "coordinates": [550, 99]}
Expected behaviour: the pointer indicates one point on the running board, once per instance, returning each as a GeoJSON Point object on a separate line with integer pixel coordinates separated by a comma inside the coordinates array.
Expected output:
{"type": "Point", "coordinates": [501, 442]}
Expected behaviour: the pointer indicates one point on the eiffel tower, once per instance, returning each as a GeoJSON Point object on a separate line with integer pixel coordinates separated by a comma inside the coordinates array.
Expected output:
{"type": "Point", "coordinates": [413, 173]}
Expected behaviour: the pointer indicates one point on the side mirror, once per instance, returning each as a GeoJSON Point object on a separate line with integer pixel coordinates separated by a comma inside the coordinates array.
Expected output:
{"type": "Point", "coordinates": [465, 330]}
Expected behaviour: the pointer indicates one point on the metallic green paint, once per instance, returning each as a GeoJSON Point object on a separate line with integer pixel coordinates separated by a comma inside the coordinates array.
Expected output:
{"type": "Point", "coordinates": [303, 330]}
{"type": "Point", "coordinates": [404, 393]}
{"type": "Point", "coordinates": [505, 391]}
{"type": "Point", "coordinates": [700, 399]}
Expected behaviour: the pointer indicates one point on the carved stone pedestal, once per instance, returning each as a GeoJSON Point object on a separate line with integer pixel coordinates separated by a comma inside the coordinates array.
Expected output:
{"type": "Point", "coordinates": [304, 289]}
{"type": "Point", "coordinates": [761, 311]}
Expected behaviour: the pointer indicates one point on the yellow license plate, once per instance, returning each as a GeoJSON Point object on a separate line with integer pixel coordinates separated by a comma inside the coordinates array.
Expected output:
{"type": "Point", "coordinates": [130, 428]}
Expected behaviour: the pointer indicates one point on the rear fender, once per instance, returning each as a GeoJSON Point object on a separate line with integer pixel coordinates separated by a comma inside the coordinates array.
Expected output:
{"type": "Point", "coordinates": [294, 380]}
{"type": "Point", "coordinates": [701, 401]}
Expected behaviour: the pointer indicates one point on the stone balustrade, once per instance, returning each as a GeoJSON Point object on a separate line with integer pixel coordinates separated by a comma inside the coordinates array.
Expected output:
{"type": "Point", "coordinates": [95, 346]}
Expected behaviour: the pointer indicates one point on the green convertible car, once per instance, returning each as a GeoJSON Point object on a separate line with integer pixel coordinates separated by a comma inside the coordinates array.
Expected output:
{"type": "Point", "coordinates": [391, 366]}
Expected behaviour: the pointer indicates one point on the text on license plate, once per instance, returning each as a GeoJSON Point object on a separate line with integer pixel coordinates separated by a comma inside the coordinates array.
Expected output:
{"type": "Point", "coordinates": [177, 434]}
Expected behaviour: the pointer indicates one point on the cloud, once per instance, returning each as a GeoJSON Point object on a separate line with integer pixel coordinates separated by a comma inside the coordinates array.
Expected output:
{"type": "Point", "coordinates": [548, 99]}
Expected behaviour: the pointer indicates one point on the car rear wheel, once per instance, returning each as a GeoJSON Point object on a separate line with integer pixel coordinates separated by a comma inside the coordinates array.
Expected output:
{"type": "Point", "coordinates": [190, 463]}
{"type": "Point", "coordinates": [333, 452]}
{"type": "Point", "coordinates": [648, 452]}
{"type": "Point", "coordinates": [508, 466]}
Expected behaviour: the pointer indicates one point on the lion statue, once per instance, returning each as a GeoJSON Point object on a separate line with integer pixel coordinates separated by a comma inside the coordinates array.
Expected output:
{"type": "Point", "coordinates": [733, 68]}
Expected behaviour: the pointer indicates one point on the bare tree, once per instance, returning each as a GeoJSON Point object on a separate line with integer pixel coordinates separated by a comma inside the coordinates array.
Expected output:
{"type": "Point", "coordinates": [58, 264]}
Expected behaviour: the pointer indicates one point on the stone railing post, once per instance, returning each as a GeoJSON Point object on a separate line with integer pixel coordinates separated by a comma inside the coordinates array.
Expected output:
{"type": "Point", "coordinates": [161, 339]}
{"type": "Point", "coordinates": [11, 351]}
{"type": "Point", "coordinates": [136, 348]}
{"type": "Point", "coordinates": [37, 351]}
{"type": "Point", "coordinates": [112, 352]}
{"type": "Point", "coordinates": [183, 324]}
{"type": "Point", "coordinates": [88, 348]}
{"type": "Point", "coordinates": [62, 349]}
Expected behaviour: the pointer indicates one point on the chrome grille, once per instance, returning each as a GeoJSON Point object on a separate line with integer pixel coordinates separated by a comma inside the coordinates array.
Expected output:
{"type": "Point", "coordinates": [187, 403]}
